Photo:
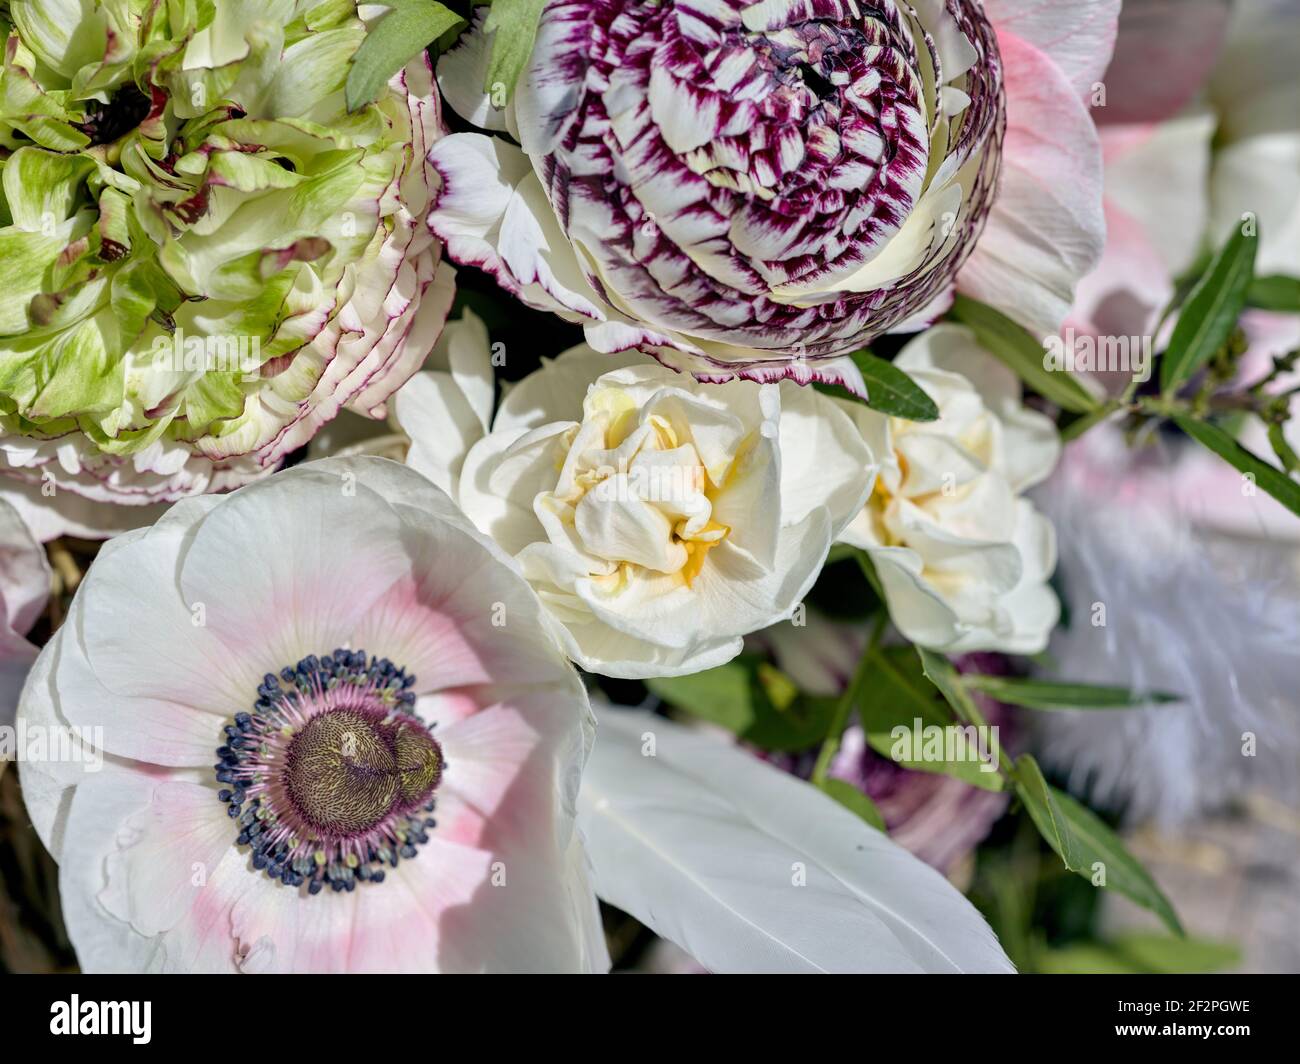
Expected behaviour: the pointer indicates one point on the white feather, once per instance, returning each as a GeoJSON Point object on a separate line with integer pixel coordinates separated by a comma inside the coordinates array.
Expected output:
{"type": "Point", "coordinates": [749, 869]}
{"type": "Point", "coordinates": [1214, 621]}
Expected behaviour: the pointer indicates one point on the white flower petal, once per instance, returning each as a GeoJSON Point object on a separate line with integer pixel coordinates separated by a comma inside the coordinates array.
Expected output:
{"type": "Point", "coordinates": [433, 411]}
{"type": "Point", "coordinates": [491, 213]}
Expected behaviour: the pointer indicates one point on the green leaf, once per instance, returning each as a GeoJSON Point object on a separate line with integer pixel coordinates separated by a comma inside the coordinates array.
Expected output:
{"type": "Point", "coordinates": [1276, 292]}
{"type": "Point", "coordinates": [397, 38]}
{"type": "Point", "coordinates": [896, 694]}
{"type": "Point", "coordinates": [1086, 845]}
{"type": "Point", "coordinates": [513, 25]}
{"type": "Point", "coordinates": [1140, 954]}
{"type": "Point", "coordinates": [755, 701]}
{"type": "Point", "coordinates": [1211, 311]}
{"type": "Point", "coordinates": [891, 391]}
{"type": "Point", "coordinates": [1049, 694]}
{"type": "Point", "coordinates": [1025, 356]}
{"type": "Point", "coordinates": [1045, 811]}
{"type": "Point", "coordinates": [1269, 477]}
{"type": "Point", "coordinates": [855, 801]}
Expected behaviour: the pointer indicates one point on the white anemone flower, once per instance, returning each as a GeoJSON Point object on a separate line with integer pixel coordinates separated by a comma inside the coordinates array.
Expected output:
{"type": "Point", "coordinates": [334, 735]}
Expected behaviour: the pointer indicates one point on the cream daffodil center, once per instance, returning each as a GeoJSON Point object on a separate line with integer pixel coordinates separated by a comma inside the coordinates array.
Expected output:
{"type": "Point", "coordinates": [634, 493]}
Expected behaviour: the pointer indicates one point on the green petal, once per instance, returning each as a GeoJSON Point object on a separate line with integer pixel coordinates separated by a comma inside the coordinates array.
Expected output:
{"type": "Point", "coordinates": [42, 188]}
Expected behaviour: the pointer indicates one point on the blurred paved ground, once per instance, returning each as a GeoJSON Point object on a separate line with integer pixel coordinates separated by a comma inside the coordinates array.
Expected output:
{"type": "Point", "coordinates": [1233, 878]}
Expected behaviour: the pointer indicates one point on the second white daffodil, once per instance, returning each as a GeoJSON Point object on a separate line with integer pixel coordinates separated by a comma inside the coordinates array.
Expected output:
{"type": "Point", "coordinates": [962, 556]}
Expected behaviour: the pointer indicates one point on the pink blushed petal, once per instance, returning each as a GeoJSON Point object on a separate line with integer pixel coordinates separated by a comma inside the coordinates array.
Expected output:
{"type": "Point", "coordinates": [443, 708]}
{"type": "Point", "coordinates": [1123, 296]}
{"type": "Point", "coordinates": [1046, 229]}
{"type": "Point", "coordinates": [458, 617]}
{"type": "Point", "coordinates": [526, 915]}
{"type": "Point", "coordinates": [420, 629]}
{"type": "Point", "coordinates": [1164, 53]}
{"type": "Point", "coordinates": [124, 874]}
{"type": "Point", "coordinates": [393, 927]}
{"type": "Point", "coordinates": [485, 755]}
{"type": "Point", "coordinates": [204, 941]}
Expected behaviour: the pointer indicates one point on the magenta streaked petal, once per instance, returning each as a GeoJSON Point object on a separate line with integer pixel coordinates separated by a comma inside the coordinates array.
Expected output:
{"type": "Point", "coordinates": [779, 181]}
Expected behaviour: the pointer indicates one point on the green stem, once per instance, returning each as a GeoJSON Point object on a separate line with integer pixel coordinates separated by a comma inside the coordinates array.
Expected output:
{"type": "Point", "coordinates": [970, 713]}
{"type": "Point", "coordinates": [869, 571]}
{"type": "Point", "coordinates": [1080, 425]}
{"type": "Point", "coordinates": [844, 707]}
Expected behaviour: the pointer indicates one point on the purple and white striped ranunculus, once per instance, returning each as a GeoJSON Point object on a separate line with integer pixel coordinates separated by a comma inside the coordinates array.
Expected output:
{"type": "Point", "coordinates": [754, 189]}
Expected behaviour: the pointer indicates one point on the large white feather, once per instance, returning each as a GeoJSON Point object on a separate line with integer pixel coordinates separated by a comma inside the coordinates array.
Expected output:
{"type": "Point", "coordinates": [749, 869]}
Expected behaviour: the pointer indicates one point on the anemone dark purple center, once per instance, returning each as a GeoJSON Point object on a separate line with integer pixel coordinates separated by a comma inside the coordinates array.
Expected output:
{"type": "Point", "coordinates": [728, 165]}
{"type": "Point", "coordinates": [331, 777]}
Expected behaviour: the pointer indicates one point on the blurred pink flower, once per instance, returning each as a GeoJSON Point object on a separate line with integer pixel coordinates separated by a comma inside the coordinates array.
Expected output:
{"type": "Point", "coordinates": [1199, 129]}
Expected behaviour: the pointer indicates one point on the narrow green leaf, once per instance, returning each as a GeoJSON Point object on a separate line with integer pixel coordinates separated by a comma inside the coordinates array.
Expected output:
{"type": "Point", "coordinates": [855, 801]}
{"type": "Point", "coordinates": [896, 694]}
{"type": "Point", "coordinates": [1123, 871]}
{"type": "Point", "coordinates": [1211, 311]}
{"type": "Point", "coordinates": [1025, 356]}
{"type": "Point", "coordinates": [1269, 477]}
{"type": "Point", "coordinates": [1050, 694]}
{"type": "Point", "coordinates": [893, 392]}
{"type": "Point", "coordinates": [1276, 292]}
{"type": "Point", "coordinates": [1045, 811]}
{"type": "Point", "coordinates": [513, 25]}
{"type": "Point", "coordinates": [1086, 845]}
{"type": "Point", "coordinates": [397, 38]}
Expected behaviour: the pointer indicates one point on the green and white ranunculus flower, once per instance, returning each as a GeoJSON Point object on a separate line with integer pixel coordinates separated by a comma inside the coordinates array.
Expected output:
{"type": "Point", "coordinates": [204, 256]}
{"type": "Point", "coordinates": [962, 556]}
